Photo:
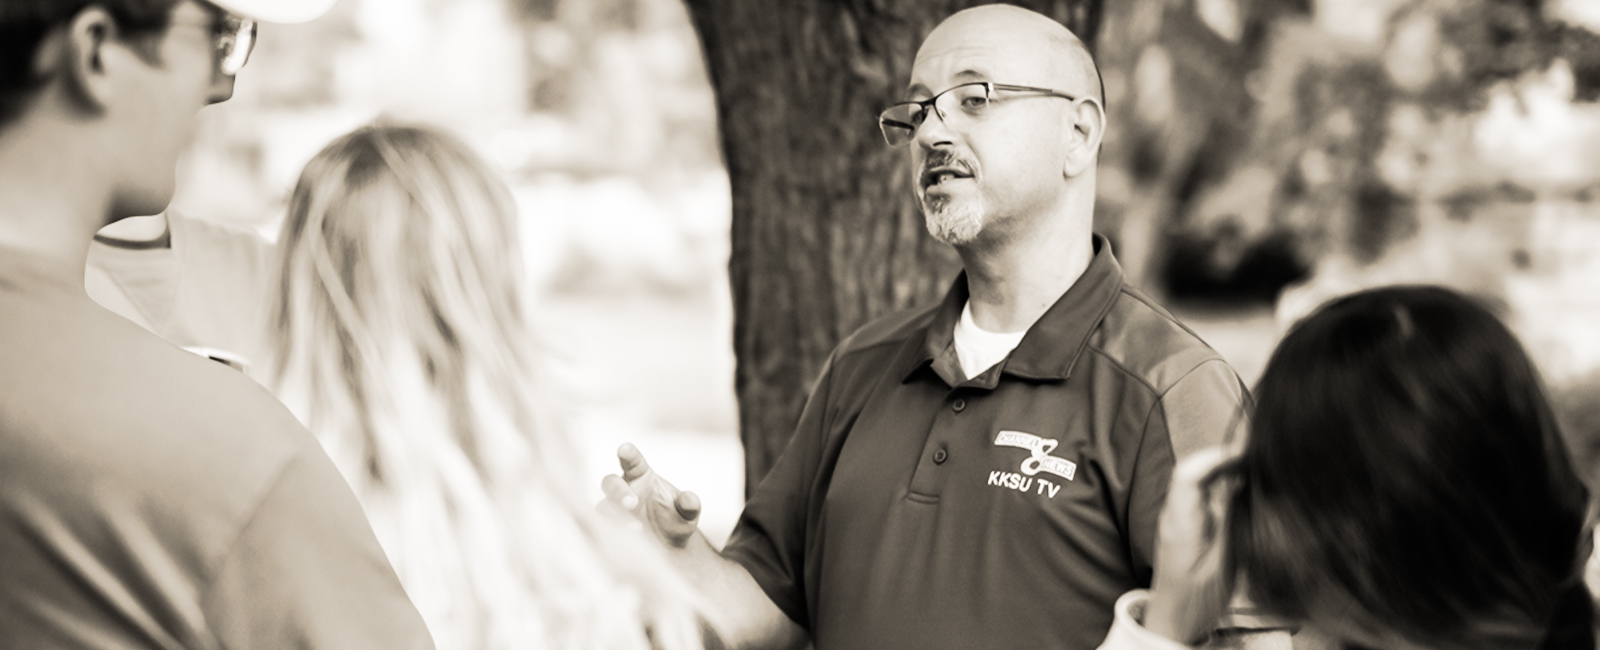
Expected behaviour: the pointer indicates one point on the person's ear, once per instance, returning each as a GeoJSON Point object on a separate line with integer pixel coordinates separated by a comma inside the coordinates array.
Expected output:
{"type": "Point", "coordinates": [1087, 125]}
{"type": "Point", "coordinates": [81, 56]}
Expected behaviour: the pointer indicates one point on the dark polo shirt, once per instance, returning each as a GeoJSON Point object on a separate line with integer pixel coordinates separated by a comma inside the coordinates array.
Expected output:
{"type": "Point", "coordinates": [916, 509]}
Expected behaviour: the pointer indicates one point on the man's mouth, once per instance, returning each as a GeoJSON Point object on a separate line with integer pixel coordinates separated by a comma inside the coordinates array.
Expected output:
{"type": "Point", "coordinates": [941, 175]}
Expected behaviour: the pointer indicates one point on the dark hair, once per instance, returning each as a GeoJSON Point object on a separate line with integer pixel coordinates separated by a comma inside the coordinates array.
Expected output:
{"type": "Point", "coordinates": [1405, 477]}
{"type": "Point", "coordinates": [24, 24]}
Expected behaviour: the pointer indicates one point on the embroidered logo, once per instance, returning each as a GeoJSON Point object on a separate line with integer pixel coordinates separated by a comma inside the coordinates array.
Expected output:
{"type": "Point", "coordinates": [1039, 459]}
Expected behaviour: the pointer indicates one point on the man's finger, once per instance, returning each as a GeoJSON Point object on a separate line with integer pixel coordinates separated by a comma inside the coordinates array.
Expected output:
{"type": "Point", "coordinates": [688, 505]}
{"type": "Point", "coordinates": [618, 492]}
{"type": "Point", "coordinates": [632, 461]}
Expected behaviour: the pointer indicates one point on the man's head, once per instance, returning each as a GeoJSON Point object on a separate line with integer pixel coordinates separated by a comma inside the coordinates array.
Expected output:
{"type": "Point", "coordinates": [1016, 126]}
{"type": "Point", "coordinates": [126, 77]}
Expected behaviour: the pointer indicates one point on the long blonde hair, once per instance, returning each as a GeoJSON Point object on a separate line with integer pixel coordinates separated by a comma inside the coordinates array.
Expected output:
{"type": "Point", "coordinates": [403, 342]}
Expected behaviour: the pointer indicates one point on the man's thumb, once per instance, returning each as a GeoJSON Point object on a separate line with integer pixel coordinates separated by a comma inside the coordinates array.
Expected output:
{"type": "Point", "coordinates": [688, 506]}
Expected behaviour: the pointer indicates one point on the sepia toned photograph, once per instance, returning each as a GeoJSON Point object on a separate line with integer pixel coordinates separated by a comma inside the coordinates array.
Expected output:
{"type": "Point", "coordinates": [831, 324]}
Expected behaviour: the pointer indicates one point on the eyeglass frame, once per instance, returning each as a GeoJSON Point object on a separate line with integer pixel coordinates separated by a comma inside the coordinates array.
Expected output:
{"type": "Point", "coordinates": [932, 103]}
{"type": "Point", "coordinates": [227, 31]}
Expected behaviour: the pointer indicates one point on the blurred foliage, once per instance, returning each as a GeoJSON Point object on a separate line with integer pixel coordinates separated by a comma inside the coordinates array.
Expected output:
{"type": "Point", "coordinates": [1256, 138]}
{"type": "Point", "coordinates": [1318, 145]}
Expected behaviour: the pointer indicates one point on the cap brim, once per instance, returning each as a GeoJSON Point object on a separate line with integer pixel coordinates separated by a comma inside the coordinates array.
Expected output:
{"type": "Point", "coordinates": [277, 11]}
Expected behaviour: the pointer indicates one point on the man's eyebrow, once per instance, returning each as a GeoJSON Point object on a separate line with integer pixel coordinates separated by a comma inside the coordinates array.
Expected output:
{"type": "Point", "coordinates": [963, 76]}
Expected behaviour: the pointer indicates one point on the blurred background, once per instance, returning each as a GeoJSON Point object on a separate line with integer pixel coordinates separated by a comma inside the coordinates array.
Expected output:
{"type": "Point", "coordinates": [1262, 156]}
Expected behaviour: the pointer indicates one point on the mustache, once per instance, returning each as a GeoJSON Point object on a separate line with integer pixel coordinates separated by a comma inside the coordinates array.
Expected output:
{"type": "Point", "coordinates": [939, 158]}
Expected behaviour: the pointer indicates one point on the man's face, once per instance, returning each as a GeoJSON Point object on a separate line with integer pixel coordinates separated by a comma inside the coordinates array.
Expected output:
{"type": "Point", "coordinates": [163, 95]}
{"type": "Point", "coordinates": [1008, 163]}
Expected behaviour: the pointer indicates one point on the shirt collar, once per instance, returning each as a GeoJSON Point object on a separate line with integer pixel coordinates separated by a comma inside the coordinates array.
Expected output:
{"type": "Point", "coordinates": [1052, 345]}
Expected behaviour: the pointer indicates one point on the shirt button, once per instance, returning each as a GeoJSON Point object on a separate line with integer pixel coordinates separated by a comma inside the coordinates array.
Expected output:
{"type": "Point", "coordinates": [939, 456]}
{"type": "Point", "coordinates": [959, 405]}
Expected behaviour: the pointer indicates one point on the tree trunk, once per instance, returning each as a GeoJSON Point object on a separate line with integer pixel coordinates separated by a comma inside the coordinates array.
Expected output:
{"type": "Point", "coordinates": [826, 234]}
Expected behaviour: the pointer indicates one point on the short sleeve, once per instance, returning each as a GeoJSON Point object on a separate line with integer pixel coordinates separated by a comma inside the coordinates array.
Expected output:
{"type": "Point", "coordinates": [771, 537]}
{"type": "Point", "coordinates": [306, 572]}
{"type": "Point", "coordinates": [1207, 407]}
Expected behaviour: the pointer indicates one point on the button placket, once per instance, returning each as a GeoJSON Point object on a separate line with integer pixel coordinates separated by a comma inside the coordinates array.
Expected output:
{"type": "Point", "coordinates": [935, 459]}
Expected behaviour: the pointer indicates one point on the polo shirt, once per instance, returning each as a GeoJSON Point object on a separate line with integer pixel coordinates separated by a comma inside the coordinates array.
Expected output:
{"type": "Point", "coordinates": [914, 508]}
{"type": "Point", "coordinates": [150, 498]}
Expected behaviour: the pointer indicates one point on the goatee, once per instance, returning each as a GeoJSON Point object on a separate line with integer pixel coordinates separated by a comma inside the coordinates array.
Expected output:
{"type": "Point", "coordinates": [953, 222]}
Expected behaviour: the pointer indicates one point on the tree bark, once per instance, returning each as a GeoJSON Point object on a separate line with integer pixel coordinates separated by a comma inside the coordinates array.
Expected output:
{"type": "Point", "coordinates": [826, 234]}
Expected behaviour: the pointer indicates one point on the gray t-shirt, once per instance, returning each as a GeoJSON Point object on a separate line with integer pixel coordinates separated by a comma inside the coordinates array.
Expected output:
{"type": "Point", "coordinates": [150, 498]}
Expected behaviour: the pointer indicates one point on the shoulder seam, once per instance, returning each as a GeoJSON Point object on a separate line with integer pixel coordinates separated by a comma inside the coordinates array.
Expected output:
{"type": "Point", "coordinates": [1215, 359]}
{"type": "Point", "coordinates": [1125, 371]}
{"type": "Point", "coordinates": [247, 521]}
{"type": "Point", "coordinates": [849, 344]}
{"type": "Point", "coordinates": [1160, 394]}
{"type": "Point", "coordinates": [853, 350]}
{"type": "Point", "coordinates": [1160, 311]}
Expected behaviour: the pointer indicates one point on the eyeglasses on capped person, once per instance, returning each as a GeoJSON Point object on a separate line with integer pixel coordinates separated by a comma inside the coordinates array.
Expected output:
{"type": "Point", "coordinates": [233, 37]}
{"type": "Point", "coordinates": [957, 105]}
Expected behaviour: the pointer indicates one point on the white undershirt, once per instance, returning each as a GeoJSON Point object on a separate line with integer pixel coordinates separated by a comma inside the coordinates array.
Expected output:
{"type": "Point", "coordinates": [979, 349]}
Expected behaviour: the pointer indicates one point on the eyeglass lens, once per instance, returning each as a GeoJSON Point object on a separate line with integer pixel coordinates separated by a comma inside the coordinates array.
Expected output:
{"type": "Point", "coordinates": [235, 39]}
{"type": "Point", "coordinates": [955, 106]}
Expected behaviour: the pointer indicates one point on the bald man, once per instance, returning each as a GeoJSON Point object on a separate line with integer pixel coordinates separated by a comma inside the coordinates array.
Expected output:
{"type": "Point", "coordinates": [986, 472]}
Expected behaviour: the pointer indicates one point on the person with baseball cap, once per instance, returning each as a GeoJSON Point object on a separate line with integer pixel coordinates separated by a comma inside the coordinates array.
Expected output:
{"type": "Point", "coordinates": [149, 498]}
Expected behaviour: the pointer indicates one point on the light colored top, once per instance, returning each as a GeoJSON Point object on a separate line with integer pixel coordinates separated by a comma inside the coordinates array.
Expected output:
{"type": "Point", "coordinates": [1252, 633]}
{"type": "Point", "coordinates": [204, 292]}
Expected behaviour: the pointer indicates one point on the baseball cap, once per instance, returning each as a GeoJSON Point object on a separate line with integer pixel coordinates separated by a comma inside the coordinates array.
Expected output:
{"type": "Point", "coordinates": [277, 11]}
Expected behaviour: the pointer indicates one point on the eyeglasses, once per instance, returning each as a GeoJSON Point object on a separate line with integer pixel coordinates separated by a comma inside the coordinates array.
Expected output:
{"type": "Point", "coordinates": [956, 106]}
{"type": "Point", "coordinates": [233, 38]}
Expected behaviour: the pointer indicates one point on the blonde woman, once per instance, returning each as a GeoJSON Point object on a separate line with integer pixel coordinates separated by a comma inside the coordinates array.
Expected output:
{"type": "Point", "coordinates": [402, 340]}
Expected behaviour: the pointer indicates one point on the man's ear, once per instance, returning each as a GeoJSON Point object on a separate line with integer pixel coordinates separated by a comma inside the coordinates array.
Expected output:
{"type": "Point", "coordinates": [1088, 126]}
{"type": "Point", "coordinates": [79, 56]}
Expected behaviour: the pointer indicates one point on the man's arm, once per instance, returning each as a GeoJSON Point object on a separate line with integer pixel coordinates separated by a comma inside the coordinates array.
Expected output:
{"type": "Point", "coordinates": [1208, 407]}
{"type": "Point", "coordinates": [1202, 419]}
{"type": "Point", "coordinates": [306, 572]}
{"type": "Point", "coordinates": [741, 612]}
{"type": "Point", "coordinates": [1205, 408]}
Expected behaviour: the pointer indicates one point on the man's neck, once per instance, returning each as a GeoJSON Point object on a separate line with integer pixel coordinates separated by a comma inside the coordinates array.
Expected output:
{"type": "Point", "coordinates": [51, 202]}
{"type": "Point", "coordinates": [1012, 283]}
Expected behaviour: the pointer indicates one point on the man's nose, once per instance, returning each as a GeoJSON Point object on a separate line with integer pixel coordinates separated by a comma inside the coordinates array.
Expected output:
{"type": "Point", "coordinates": [934, 130]}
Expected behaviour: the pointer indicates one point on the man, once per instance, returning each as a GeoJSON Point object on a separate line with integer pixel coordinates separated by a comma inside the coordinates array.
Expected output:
{"type": "Point", "coordinates": [986, 473]}
{"type": "Point", "coordinates": [149, 498]}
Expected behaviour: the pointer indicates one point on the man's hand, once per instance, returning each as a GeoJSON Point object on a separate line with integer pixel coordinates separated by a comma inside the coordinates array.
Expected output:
{"type": "Point", "coordinates": [1188, 594]}
{"type": "Point", "coordinates": [742, 614]}
{"type": "Point", "coordinates": [669, 513]}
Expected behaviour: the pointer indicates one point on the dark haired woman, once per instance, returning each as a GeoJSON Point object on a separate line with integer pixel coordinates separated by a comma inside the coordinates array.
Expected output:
{"type": "Point", "coordinates": [1405, 485]}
